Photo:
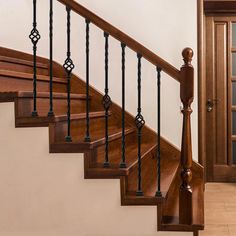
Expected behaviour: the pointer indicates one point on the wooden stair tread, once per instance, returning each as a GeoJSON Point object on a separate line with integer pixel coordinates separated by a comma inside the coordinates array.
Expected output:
{"type": "Point", "coordinates": [22, 62]}
{"type": "Point", "coordinates": [169, 167]}
{"type": "Point", "coordinates": [130, 153]}
{"type": "Point", "coordinates": [114, 171]}
{"type": "Point", "coordinates": [97, 136]}
{"type": "Point", "coordinates": [171, 212]}
{"type": "Point", "coordinates": [95, 114]}
{"type": "Point", "coordinates": [28, 76]}
{"type": "Point", "coordinates": [43, 121]}
{"type": "Point", "coordinates": [29, 94]}
{"type": "Point", "coordinates": [97, 139]}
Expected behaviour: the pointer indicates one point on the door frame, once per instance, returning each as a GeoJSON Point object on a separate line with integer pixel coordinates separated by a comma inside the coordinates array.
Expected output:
{"type": "Point", "coordinates": [205, 7]}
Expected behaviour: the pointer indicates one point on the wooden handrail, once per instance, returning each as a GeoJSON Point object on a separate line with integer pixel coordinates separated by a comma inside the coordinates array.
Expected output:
{"type": "Point", "coordinates": [122, 37]}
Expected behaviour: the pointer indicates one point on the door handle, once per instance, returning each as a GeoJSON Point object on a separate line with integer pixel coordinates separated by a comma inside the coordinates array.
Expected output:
{"type": "Point", "coordinates": [210, 104]}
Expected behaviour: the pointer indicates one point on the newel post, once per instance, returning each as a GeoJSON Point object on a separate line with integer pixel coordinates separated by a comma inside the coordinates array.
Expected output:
{"type": "Point", "coordinates": [186, 95]}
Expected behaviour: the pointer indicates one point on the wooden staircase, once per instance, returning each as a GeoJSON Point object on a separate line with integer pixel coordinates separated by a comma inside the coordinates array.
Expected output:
{"type": "Point", "coordinates": [16, 73]}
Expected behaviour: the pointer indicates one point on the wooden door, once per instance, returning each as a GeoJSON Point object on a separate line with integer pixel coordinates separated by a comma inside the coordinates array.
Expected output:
{"type": "Point", "coordinates": [221, 98]}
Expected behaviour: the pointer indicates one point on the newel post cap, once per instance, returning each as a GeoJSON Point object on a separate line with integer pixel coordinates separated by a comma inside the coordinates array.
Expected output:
{"type": "Point", "coordinates": [187, 55]}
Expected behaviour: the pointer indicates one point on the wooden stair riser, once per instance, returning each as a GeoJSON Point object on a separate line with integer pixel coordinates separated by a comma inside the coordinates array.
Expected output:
{"type": "Point", "coordinates": [25, 106]}
{"type": "Point", "coordinates": [78, 129]}
{"type": "Point", "coordinates": [149, 178]}
{"type": "Point", "coordinates": [115, 156]}
{"type": "Point", "coordinates": [92, 172]}
{"type": "Point", "coordinates": [149, 171]}
{"type": "Point", "coordinates": [115, 151]}
{"type": "Point", "coordinates": [16, 84]}
{"type": "Point", "coordinates": [22, 68]}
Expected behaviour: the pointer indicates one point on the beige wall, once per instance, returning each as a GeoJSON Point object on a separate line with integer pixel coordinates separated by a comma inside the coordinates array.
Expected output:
{"type": "Point", "coordinates": [46, 193]}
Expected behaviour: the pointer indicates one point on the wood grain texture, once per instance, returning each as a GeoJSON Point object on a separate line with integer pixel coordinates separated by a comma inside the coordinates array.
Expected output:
{"type": "Point", "coordinates": [201, 21]}
{"type": "Point", "coordinates": [28, 76]}
{"type": "Point", "coordinates": [94, 150]}
{"type": "Point", "coordinates": [186, 95]}
{"type": "Point", "coordinates": [218, 85]}
{"type": "Point", "coordinates": [221, 85]}
{"type": "Point", "coordinates": [18, 61]}
{"type": "Point", "coordinates": [219, 6]}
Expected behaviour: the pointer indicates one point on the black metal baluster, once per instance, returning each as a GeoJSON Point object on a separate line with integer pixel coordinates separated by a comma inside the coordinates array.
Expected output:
{"type": "Point", "coordinates": [158, 193]}
{"type": "Point", "coordinates": [35, 37]}
{"type": "Point", "coordinates": [139, 121]}
{"type": "Point", "coordinates": [68, 66]}
{"type": "Point", "coordinates": [87, 137]}
{"type": "Point", "coordinates": [123, 164]}
{"type": "Point", "coordinates": [51, 113]}
{"type": "Point", "coordinates": [106, 102]}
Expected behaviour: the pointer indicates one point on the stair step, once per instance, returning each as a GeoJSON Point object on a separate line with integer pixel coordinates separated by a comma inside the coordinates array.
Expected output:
{"type": "Point", "coordinates": [97, 114]}
{"type": "Point", "coordinates": [115, 158]}
{"type": "Point", "coordinates": [29, 76]}
{"type": "Point", "coordinates": [170, 220]}
{"type": "Point", "coordinates": [97, 137]}
{"type": "Point", "coordinates": [21, 79]}
{"type": "Point", "coordinates": [22, 62]}
{"type": "Point", "coordinates": [12, 95]}
{"type": "Point", "coordinates": [28, 94]}
{"type": "Point", "coordinates": [24, 103]}
{"type": "Point", "coordinates": [44, 121]}
{"type": "Point", "coordinates": [78, 129]}
{"type": "Point", "coordinates": [169, 167]}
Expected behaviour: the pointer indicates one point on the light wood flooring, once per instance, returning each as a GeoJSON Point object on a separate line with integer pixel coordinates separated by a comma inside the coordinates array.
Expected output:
{"type": "Point", "coordinates": [220, 210]}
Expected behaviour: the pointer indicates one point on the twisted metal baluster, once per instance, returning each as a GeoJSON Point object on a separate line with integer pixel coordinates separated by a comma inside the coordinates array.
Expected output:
{"type": "Point", "coordinates": [123, 164]}
{"type": "Point", "coordinates": [158, 193]}
{"type": "Point", "coordinates": [139, 121]}
{"type": "Point", "coordinates": [68, 66]}
{"type": "Point", "coordinates": [35, 37]}
{"type": "Point", "coordinates": [51, 113]}
{"type": "Point", "coordinates": [87, 137]}
{"type": "Point", "coordinates": [106, 102]}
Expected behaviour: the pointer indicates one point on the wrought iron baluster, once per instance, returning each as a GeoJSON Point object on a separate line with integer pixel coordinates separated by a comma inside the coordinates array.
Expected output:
{"type": "Point", "coordinates": [158, 193]}
{"type": "Point", "coordinates": [68, 66]}
{"type": "Point", "coordinates": [87, 137]}
{"type": "Point", "coordinates": [139, 121]}
{"type": "Point", "coordinates": [106, 101]}
{"type": "Point", "coordinates": [35, 37]}
{"type": "Point", "coordinates": [51, 113]}
{"type": "Point", "coordinates": [123, 164]}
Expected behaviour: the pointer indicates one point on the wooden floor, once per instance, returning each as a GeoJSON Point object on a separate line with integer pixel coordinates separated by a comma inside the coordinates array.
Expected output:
{"type": "Point", "coordinates": [220, 210]}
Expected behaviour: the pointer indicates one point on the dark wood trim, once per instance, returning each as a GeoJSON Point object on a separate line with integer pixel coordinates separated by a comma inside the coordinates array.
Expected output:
{"type": "Point", "coordinates": [187, 96]}
{"type": "Point", "coordinates": [124, 38]}
{"type": "Point", "coordinates": [220, 6]}
{"type": "Point", "coordinates": [26, 94]}
{"type": "Point", "coordinates": [201, 83]}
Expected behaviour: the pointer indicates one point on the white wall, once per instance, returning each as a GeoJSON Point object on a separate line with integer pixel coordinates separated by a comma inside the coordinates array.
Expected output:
{"type": "Point", "coordinates": [166, 27]}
